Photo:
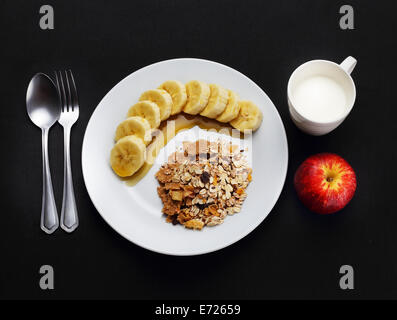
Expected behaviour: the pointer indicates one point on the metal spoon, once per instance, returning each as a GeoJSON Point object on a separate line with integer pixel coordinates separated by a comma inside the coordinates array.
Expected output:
{"type": "Point", "coordinates": [43, 106]}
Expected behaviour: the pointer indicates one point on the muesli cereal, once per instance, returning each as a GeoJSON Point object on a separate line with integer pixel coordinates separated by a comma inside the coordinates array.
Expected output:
{"type": "Point", "coordinates": [204, 183]}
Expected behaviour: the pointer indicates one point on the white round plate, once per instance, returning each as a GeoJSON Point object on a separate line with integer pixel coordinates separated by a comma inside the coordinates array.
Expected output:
{"type": "Point", "coordinates": [135, 212]}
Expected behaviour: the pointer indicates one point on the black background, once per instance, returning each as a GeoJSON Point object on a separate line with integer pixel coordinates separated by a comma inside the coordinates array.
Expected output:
{"type": "Point", "coordinates": [293, 254]}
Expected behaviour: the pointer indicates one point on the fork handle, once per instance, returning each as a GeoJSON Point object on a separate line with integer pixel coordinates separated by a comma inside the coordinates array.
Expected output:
{"type": "Point", "coordinates": [49, 221]}
{"type": "Point", "coordinates": [69, 217]}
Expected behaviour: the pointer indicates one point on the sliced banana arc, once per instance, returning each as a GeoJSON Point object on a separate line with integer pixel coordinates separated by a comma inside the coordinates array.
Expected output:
{"type": "Point", "coordinates": [249, 118]}
{"type": "Point", "coordinates": [134, 126]}
{"type": "Point", "coordinates": [232, 108]}
{"type": "Point", "coordinates": [177, 91]}
{"type": "Point", "coordinates": [162, 99]}
{"type": "Point", "coordinates": [147, 110]}
{"type": "Point", "coordinates": [127, 156]}
{"type": "Point", "coordinates": [216, 102]}
{"type": "Point", "coordinates": [197, 97]}
{"type": "Point", "coordinates": [198, 93]}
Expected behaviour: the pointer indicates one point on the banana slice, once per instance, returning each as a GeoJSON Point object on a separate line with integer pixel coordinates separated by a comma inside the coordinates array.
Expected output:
{"type": "Point", "coordinates": [198, 93]}
{"type": "Point", "coordinates": [137, 126]}
{"type": "Point", "coordinates": [162, 99]}
{"type": "Point", "coordinates": [249, 117]}
{"type": "Point", "coordinates": [177, 91]}
{"type": "Point", "coordinates": [147, 110]}
{"type": "Point", "coordinates": [232, 108]}
{"type": "Point", "coordinates": [216, 103]}
{"type": "Point", "coordinates": [127, 156]}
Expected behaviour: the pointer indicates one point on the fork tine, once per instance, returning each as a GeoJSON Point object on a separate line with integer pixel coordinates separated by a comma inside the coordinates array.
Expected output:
{"type": "Point", "coordinates": [69, 94]}
{"type": "Point", "coordinates": [57, 82]}
{"type": "Point", "coordinates": [63, 94]}
{"type": "Point", "coordinates": [75, 97]}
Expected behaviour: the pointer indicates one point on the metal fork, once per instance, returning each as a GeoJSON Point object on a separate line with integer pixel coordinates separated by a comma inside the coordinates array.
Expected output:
{"type": "Point", "coordinates": [69, 115]}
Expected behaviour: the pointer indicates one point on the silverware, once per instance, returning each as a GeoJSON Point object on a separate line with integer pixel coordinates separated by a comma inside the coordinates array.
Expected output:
{"type": "Point", "coordinates": [42, 104]}
{"type": "Point", "coordinates": [69, 115]}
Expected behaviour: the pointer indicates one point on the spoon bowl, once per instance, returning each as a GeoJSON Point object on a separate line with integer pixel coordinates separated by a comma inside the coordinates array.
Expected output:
{"type": "Point", "coordinates": [42, 101]}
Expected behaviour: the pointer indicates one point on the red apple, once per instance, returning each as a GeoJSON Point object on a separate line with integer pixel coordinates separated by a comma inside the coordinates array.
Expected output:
{"type": "Point", "coordinates": [325, 183]}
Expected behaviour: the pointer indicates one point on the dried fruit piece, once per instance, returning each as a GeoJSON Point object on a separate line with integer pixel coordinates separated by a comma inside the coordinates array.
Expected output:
{"type": "Point", "coordinates": [176, 195]}
{"type": "Point", "coordinates": [172, 186]}
{"type": "Point", "coordinates": [205, 177]}
{"type": "Point", "coordinates": [194, 224]}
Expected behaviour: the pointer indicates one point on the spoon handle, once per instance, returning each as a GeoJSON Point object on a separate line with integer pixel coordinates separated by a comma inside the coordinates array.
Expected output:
{"type": "Point", "coordinates": [49, 215]}
{"type": "Point", "coordinates": [69, 217]}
